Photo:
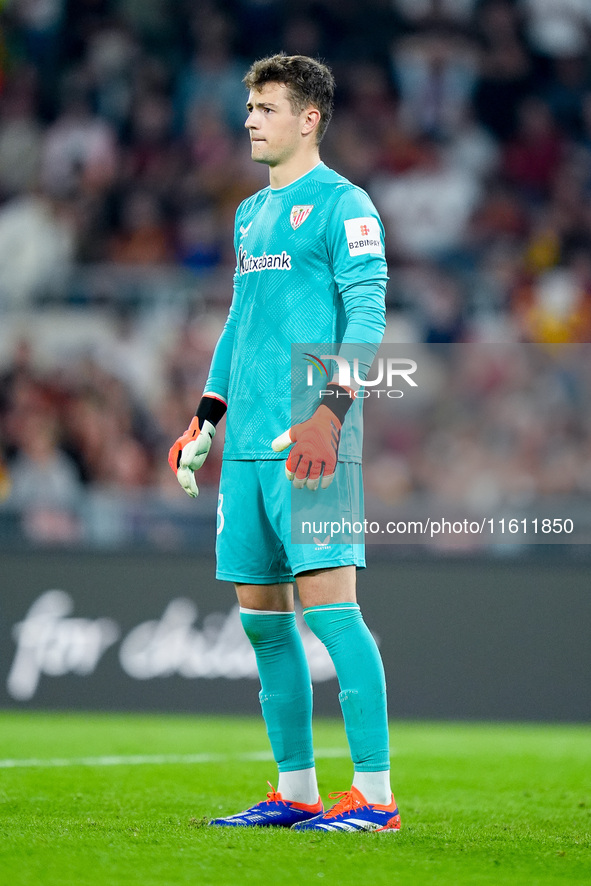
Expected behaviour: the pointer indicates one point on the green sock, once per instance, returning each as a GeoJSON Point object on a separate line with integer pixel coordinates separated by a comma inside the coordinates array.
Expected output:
{"type": "Point", "coordinates": [286, 686]}
{"type": "Point", "coordinates": [360, 672]}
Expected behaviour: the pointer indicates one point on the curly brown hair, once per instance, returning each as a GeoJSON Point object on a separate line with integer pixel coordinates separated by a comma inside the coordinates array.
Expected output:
{"type": "Point", "coordinates": [308, 81]}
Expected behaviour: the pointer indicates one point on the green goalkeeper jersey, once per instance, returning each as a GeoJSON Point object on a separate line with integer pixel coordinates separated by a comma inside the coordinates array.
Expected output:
{"type": "Point", "coordinates": [311, 274]}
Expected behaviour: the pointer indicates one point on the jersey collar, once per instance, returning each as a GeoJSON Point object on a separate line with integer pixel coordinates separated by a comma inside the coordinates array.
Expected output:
{"type": "Point", "coordinates": [297, 181]}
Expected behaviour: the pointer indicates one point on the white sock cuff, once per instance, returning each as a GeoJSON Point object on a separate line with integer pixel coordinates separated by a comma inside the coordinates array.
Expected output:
{"type": "Point", "coordinates": [299, 785]}
{"type": "Point", "coordinates": [264, 612]}
{"type": "Point", "coordinates": [375, 786]}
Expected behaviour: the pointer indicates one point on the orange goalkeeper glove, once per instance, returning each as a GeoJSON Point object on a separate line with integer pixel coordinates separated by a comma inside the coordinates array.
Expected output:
{"type": "Point", "coordinates": [313, 460]}
{"type": "Point", "coordinates": [189, 452]}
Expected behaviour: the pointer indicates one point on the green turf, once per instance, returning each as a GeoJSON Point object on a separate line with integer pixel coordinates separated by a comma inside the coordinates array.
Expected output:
{"type": "Point", "coordinates": [480, 803]}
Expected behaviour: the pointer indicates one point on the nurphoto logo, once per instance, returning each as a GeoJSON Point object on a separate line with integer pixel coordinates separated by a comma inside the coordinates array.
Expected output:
{"type": "Point", "coordinates": [388, 371]}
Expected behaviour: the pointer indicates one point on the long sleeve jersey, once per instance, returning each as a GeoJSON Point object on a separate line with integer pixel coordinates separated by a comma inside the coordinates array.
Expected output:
{"type": "Point", "coordinates": [311, 274]}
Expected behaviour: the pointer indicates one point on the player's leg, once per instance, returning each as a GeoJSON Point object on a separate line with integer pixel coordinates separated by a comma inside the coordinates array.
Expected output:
{"type": "Point", "coordinates": [332, 613]}
{"type": "Point", "coordinates": [326, 579]}
{"type": "Point", "coordinates": [268, 619]}
{"type": "Point", "coordinates": [249, 554]}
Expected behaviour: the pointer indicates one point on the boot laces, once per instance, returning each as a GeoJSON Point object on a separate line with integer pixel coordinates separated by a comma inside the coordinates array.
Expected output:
{"type": "Point", "coordinates": [346, 803]}
{"type": "Point", "coordinates": [274, 796]}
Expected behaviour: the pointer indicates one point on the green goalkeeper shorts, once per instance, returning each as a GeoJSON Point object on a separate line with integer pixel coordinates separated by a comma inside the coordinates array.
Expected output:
{"type": "Point", "coordinates": [268, 532]}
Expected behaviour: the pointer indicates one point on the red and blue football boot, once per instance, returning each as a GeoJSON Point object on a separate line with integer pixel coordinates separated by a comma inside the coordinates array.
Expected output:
{"type": "Point", "coordinates": [352, 812]}
{"type": "Point", "coordinates": [272, 812]}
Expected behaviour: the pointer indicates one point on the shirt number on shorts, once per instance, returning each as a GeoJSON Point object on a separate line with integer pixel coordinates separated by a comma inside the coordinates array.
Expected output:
{"type": "Point", "coordinates": [220, 513]}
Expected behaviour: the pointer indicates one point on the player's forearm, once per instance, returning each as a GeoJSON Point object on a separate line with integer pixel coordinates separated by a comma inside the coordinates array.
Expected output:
{"type": "Point", "coordinates": [218, 380]}
{"type": "Point", "coordinates": [366, 323]}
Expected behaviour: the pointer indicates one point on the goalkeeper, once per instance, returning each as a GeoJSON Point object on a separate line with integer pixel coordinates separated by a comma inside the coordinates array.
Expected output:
{"type": "Point", "coordinates": [310, 268]}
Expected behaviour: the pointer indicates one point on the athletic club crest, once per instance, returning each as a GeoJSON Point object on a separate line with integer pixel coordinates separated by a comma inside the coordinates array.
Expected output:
{"type": "Point", "coordinates": [299, 214]}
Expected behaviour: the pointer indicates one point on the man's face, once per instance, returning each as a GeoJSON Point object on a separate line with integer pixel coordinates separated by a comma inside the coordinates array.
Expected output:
{"type": "Point", "coordinates": [275, 131]}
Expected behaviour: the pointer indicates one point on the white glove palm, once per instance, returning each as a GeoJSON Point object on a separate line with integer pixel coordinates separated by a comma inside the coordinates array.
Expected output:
{"type": "Point", "coordinates": [193, 455]}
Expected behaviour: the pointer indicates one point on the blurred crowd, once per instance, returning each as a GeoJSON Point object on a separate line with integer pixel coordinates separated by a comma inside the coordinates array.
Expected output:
{"type": "Point", "coordinates": [491, 428]}
{"type": "Point", "coordinates": [122, 144]}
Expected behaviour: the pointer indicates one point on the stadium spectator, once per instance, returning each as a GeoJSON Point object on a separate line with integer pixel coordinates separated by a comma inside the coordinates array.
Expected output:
{"type": "Point", "coordinates": [198, 242]}
{"type": "Point", "coordinates": [506, 66]}
{"type": "Point", "coordinates": [21, 137]}
{"type": "Point", "coordinates": [108, 65]}
{"type": "Point", "coordinates": [80, 150]}
{"type": "Point", "coordinates": [532, 157]}
{"type": "Point", "coordinates": [427, 209]}
{"type": "Point", "coordinates": [436, 74]}
{"type": "Point", "coordinates": [213, 77]}
{"type": "Point", "coordinates": [37, 246]}
{"type": "Point", "coordinates": [557, 29]}
{"type": "Point", "coordinates": [45, 485]}
{"type": "Point", "coordinates": [143, 238]}
{"type": "Point", "coordinates": [565, 93]}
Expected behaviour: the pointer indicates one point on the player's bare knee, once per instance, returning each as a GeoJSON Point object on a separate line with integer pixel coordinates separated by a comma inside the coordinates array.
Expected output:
{"type": "Point", "coordinates": [270, 598]}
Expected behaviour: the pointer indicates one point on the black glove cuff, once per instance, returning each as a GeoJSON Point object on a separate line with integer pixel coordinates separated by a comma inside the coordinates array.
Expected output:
{"type": "Point", "coordinates": [210, 409]}
{"type": "Point", "coordinates": [338, 402]}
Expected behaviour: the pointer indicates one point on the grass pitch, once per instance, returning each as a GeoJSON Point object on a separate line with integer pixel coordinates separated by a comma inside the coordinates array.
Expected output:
{"type": "Point", "coordinates": [124, 799]}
